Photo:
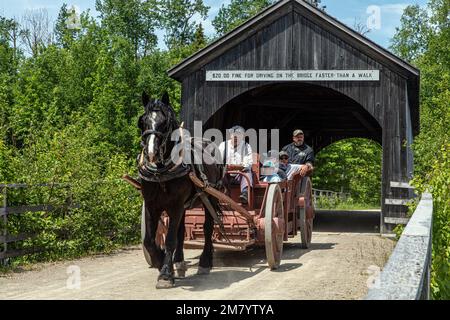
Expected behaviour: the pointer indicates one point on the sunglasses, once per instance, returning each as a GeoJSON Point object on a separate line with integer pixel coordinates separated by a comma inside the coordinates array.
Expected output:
{"type": "Point", "coordinates": [284, 158]}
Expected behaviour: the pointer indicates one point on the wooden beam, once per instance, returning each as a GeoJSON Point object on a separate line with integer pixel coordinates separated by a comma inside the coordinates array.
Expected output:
{"type": "Point", "coordinates": [391, 220]}
{"type": "Point", "coordinates": [397, 202]}
{"type": "Point", "coordinates": [14, 238]}
{"type": "Point", "coordinates": [269, 100]}
{"type": "Point", "coordinates": [33, 208]}
{"type": "Point", "coordinates": [19, 253]}
{"type": "Point", "coordinates": [402, 185]}
{"type": "Point", "coordinates": [364, 122]}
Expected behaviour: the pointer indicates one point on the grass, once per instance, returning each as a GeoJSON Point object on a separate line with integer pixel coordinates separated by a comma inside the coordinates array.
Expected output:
{"type": "Point", "coordinates": [336, 203]}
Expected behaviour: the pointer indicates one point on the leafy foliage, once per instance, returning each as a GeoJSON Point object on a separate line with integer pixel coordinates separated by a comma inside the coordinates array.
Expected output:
{"type": "Point", "coordinates": [105, 213]}
{"type": "Point", "coordinates": [69, 119]}
{"type": "Point", "coordinates": [238, 11]}
{"type": "Point", "coordinates": [352, 166]}
{"type": "Point", "coordinates": [424, 39]}
{"type": "Point", "coordinates": [177, 19]}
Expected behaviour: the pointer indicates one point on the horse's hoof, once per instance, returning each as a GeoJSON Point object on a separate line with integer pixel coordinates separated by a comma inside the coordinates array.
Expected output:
{"type": "Point", "coordinates": [203, 271]}
{"type": "Point", "coordinates": [180, 268]}
{"type": "Point", "coordinates": [181, 274]}
{"type": "Point", "coordinates": [165, 284]}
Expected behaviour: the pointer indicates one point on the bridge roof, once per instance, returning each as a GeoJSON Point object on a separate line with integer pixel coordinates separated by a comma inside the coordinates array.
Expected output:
{"type": "Point", "coordinates": [274, 12]}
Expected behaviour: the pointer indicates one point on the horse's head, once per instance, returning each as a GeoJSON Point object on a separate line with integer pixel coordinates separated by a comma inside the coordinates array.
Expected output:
{"type": "Point", "coordinates": [156, 124]}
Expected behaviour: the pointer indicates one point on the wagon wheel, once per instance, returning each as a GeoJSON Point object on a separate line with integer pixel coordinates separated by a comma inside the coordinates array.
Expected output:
{"type": "Point", "coordinates": [305, 212]}
{"type": "Point", "coordinates": [274, 226]}
{"type": "Point", "coordinates": [160, 236]}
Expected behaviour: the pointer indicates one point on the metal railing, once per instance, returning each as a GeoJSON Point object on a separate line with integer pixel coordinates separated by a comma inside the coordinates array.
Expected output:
{"type": "Point", "coordinates": [318, 194]}
{"type": "Point", "coordinates": [406, 275]}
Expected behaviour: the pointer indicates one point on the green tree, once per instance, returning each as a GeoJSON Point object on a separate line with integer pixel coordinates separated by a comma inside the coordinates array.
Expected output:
{"type": "Point", "coordinates": [352, 166]}
{"type": "Point", "coordinates": [235, 13]}
{"type": "Point", "coordinates": [177, 21]}
{"type": "Point", "coordinates": [10, 57]}
{"type": "Point", "coordinates": [411, 39]}
{"type": "Point", "coordinates": [66, 28]}
{"type": "Point", "coordinates": [134, 20]}
{"type": "Point", "coordinates": [10, 36]}
{"type": "Point", "coordinates": [199, 40]}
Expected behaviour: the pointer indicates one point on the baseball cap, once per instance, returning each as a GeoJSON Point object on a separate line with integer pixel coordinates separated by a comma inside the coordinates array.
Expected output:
{"type": "Point", "coordinates": [237, 130]}
{"type": "Point", "coordinates": [283, 154]}
{"type": "Point", "coordinates": [297, 132]}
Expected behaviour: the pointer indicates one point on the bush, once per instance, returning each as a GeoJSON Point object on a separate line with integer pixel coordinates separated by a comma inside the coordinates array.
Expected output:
{"type": "Point", "coordinates": [437, 181]}
{"type": "Point", "coordinates": [107, 213]}
{"type": "Point", "coordinates": [352, 166]}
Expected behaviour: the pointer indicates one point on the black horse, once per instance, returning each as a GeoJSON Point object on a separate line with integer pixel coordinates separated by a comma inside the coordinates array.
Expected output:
{"type": "Point", "coordinates": [166, 187]}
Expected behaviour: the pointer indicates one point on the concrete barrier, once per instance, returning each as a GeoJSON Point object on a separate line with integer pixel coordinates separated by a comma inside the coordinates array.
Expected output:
{"type": "Point", "coordinates": [406, 275]}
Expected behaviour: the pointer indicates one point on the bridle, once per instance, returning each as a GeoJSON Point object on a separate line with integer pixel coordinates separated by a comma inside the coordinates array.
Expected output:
{"type": "Point", "coordinates": [163, 165]}
{"type": "Point", "coordinates": [164, 137]}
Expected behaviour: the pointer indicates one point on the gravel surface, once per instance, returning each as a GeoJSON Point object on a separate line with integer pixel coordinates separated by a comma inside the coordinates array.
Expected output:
{"type": "Point", "coordinates": [337, 266]}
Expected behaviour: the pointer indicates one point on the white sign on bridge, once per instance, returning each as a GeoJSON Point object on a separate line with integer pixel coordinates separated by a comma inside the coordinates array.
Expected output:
{"type": "Point", "coordinates": [293, 75]}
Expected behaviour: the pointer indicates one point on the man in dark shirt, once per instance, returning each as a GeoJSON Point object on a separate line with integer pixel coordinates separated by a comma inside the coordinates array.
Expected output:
{"type": "Point", "coordinates": [300, 153]}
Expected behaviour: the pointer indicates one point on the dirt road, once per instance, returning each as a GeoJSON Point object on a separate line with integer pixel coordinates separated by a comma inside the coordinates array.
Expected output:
{"type": "Point", "coordinates": [337, 266]}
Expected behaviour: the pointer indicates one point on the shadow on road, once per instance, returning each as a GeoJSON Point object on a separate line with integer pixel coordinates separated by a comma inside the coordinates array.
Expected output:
{"type": "Point", "coordinates": [217, 279]}
{"type": "Point", "coordinates": [286, 267]}
{"type": "Point", "coordinates": [292, 251]}
{"type": "Point", "coordinates": [257, 255]}
{"type": "Point", "coordinates": [347, 221]}
{"type": "Point", "coordinates": [250, 263]}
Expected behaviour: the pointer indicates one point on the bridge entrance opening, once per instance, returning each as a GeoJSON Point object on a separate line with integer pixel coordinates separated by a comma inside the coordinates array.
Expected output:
{"type": "Point", "coordinates": [347, 182]}
{"type": "Point", "coordinates": [345, 137]}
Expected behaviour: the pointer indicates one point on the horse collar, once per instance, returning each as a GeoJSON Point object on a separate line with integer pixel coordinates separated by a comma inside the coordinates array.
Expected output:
{"type": "Point", "coordinates": [162, 175]}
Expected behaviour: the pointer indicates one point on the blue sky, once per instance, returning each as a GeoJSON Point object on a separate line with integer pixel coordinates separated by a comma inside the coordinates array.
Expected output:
{"type": "Point", "coordinates": [344, 10]}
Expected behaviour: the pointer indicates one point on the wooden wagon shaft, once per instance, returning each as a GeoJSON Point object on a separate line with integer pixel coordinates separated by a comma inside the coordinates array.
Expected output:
{"type": "Point", "coordinates": [136, 184]}
{"type": "Point", "coordinates": [224, 198]}
{"type": "Point", "coordinates": [211, 191]}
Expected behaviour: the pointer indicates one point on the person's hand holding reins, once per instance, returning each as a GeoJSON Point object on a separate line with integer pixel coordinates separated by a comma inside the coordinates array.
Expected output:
{"type": "Point", "coordinates": [304, 171]}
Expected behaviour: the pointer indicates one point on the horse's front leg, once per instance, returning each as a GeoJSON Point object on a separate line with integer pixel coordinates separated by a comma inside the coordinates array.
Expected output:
{"type": "Point", "coordinates": [166, 276]}
{"type": "Point", "coordinates": [151, 226]}
{"type": "Point", "coordinates": [180, 264]}
{"type": "Point", "coordinates": [206, 259]}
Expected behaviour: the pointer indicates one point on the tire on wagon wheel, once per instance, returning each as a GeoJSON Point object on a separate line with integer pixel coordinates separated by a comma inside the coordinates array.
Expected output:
{"type": "Point", "coordinates": [274, 226]}
{"type": "Point", "coordinates": [160, 236]}
{"type": "Point", "coordinates": [306, 212]}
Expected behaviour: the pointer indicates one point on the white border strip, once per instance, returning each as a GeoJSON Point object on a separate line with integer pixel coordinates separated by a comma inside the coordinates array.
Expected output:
{"type": "Point", "coordinates": [292, 75]}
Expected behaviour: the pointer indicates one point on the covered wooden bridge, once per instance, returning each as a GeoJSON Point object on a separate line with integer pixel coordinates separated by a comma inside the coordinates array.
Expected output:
{"type": "Point", "coordinates": [294, 66]}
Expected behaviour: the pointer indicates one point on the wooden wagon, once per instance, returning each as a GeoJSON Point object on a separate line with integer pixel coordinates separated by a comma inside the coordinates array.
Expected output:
{"type": "Point", "coordinates": [274, 213]}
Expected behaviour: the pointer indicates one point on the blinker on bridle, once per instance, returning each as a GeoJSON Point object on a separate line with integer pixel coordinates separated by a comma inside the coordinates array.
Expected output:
{"type": "Point", "coordinates": [170, 120]}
